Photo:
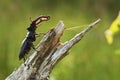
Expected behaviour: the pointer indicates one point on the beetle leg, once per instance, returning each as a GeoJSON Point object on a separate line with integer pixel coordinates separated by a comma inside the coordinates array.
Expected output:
{"type": "Point", "coordinates": [37, 35]}
{"type": "Point", "coordinates": [34, 48]}
{"type": "Point", "coordinates": [24, 61]}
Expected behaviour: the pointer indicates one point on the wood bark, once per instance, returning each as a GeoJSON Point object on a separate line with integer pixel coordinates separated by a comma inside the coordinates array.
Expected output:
{"type": "Point", "coordinates": [50, 51]}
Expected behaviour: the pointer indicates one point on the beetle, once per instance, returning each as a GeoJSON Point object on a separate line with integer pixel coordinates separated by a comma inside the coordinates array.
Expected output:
{"type": "Point", "coordinates": [27, 43]}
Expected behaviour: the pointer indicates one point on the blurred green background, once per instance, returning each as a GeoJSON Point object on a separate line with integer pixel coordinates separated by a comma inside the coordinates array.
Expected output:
{"type": "Point", "coordinates": [91, 59]}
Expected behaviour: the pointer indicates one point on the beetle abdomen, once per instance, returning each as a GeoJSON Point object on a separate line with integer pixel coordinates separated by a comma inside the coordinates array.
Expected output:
{"type": "Point", "coordinates": [25, 48]}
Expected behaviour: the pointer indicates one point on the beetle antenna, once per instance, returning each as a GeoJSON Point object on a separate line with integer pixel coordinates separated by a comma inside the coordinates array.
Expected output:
{"type": "Point", "coordinates": [30, 19]}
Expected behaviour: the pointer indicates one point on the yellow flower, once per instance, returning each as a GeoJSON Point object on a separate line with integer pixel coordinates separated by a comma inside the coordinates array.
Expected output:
{"type": "Point", "coordinates": [114, 28]}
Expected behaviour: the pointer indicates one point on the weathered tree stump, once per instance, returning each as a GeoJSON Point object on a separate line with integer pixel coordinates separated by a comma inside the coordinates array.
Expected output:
{"type": "Point", "coordinates": [50, 51]}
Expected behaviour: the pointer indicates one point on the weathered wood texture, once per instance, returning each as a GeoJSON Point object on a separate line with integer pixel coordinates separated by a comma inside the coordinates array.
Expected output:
{"type": "Point", "coordinates": [40, 64]}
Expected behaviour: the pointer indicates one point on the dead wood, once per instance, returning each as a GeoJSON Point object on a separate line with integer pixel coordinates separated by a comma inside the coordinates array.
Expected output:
{"type": "Point", "coordinates": [40, 64]}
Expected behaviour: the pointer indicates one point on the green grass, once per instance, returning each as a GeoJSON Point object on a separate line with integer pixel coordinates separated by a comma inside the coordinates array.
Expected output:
{"type": "Point", "coordinates": [91, 59]}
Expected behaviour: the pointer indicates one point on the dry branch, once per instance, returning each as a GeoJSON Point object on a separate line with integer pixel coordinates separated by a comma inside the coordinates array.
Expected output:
{"type": "Point", "coordinates": [40, 64]}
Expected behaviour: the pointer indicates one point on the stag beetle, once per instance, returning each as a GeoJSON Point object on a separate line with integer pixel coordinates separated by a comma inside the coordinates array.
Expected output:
{"type": "Point", "coordinates": [27, 43]}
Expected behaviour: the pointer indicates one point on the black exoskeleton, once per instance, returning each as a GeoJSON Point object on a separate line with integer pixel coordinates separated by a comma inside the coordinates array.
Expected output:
{"type": "Point", "coordinates": [27, 43]}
